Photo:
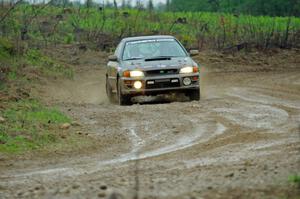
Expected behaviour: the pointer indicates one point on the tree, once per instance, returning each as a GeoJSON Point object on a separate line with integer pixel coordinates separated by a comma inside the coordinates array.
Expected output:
{"type": "Point", "coordinates": [161, 6]}
{"type": "Point", "coordinates": [150, 5]}
{"type": "Point", "coordinates": [168, 3]}
{"type": "Point", "coordinates": [89, 3]}
{"type": "Point", "coordinates": [252, 7]}
{"type": "Point", "coordinates": [123, 5]}
{"type": "Point", "coordinates": [214, 4]}
{"type": "Point", "coordinates": [128, 3]}
{"type": "Point", "coordinates": [3, 17]}
{"type": "Point", "coordinates": [191, 5]}
{"type": "Point", "coordinates": [139, 4]}
{"type": "Point", "coordinates": [108, 4]}
{"type": "Point", "coordinates": [115, 4]}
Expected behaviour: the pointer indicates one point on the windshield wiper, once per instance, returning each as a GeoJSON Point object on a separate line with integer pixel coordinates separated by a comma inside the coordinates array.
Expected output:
{"type": "Point", "coordinates": [133, 58]}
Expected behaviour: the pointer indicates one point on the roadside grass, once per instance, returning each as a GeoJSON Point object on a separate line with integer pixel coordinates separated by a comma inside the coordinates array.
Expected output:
{"type": "Point", "coordinates": [29, 125]}
{"type": "Point", "coordinates": [17, 64]}
{"type": "Point", "coordinates": [6, 48]}
{"type": "Point", "coordinates": [295, 179]}
{"type": "Point", "coordinates": [49, 67]}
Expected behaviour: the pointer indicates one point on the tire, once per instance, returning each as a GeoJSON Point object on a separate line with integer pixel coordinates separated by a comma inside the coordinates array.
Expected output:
{"type": "Point", "coordinates": [109, 93]}
{"type": "Point", "coordinates": [194, 95]}
{"type": "Point", "coordinates": [123, 100]}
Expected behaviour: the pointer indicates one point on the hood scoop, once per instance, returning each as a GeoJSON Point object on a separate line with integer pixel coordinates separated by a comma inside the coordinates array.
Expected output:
{"type": "Point", "coordinates": [157, 59]}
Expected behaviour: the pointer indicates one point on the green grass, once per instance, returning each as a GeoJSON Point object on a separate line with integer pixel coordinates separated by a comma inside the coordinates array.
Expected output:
{"type": "Point", "coordinates": [214, 29]}
{"type": "Point", "coordinates": [12, 75]}
{"type": "Point", "coordinates": [295, 179]}
{"type": "Point", "coordinates": [46, 65]}
{"type": "Point", "coordinates": [211, 27]}
{"type": "Point", "coordinates": [29, 125]}
{"type": "Point", "coordinates": [33, 58]}
{"type": "Point", "coordinates": [6, 49]}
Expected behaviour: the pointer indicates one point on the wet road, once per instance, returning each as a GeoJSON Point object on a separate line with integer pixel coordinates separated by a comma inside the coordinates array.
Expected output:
{"type": "Point", "coordinates": [241, 138]}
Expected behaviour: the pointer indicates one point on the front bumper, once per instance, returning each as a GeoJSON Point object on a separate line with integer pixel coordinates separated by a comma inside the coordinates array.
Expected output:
{"type": "Point", "coordinates": [160, 84]}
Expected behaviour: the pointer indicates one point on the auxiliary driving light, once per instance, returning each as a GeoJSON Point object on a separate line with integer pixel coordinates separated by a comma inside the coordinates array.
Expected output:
{"type": "Point", "coordinates": [137, 84]}
{"type": "Point", "coordinates": [187, 81]}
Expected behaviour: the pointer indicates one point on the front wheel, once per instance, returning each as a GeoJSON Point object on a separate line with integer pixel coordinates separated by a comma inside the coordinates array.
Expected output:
{"type": "Point", "coordinates": [194, 95]}
{"type": "Point", "coordinates": [123, 99]}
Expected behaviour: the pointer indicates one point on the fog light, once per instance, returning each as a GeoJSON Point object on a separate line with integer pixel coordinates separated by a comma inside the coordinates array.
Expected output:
{"type": "Point", "coordinates": [187, 81]}
{"type": "Point", "coordinates": [137, 84]}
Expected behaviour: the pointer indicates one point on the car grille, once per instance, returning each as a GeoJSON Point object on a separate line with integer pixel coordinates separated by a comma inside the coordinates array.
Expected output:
{"type": "Point", "coordinates": [163, 83]}
{"type": "Point", "coordinates": [161, 72]}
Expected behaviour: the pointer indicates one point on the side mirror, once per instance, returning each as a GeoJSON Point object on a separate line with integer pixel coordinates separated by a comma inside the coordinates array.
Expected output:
{"type": "Point", "coordinates": [113, 58]}
{"type": "Point", "coordinates": [194, 53]}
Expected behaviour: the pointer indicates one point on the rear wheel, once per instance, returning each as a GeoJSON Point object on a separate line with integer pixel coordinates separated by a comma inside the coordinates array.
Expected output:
{"type": "Point", "coordinates": [194, 95]}
{"type": "Point", "coordinates": [123, 99]}
{"type": "Point", "coordinates": [109, 93]}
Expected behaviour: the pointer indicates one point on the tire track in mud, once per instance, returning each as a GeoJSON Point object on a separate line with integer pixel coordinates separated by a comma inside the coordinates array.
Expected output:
{"type": "Point", "coordinates": [223, 156]}
{"type": "Point", "coordinates": [189, 141]}
{"type": "Point", "coordinates": [256, 96]}
{"type": "Point", "coordinates": [272, 113]}
{"type": "Point", "coordinates": [197, 135]}
{"type": "Point", "coordinates": [225, 129]}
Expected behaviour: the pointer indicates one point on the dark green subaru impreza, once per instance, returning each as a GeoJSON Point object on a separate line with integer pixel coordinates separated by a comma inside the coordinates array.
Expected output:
{"type": "Point", "coordinates": [151, 65]}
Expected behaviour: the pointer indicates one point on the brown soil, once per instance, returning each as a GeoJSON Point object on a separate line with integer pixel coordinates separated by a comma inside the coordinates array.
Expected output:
{"type": "Point", "coordinates": [240, 141]}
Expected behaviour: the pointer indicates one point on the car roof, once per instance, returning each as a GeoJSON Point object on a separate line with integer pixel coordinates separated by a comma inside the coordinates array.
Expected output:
{"type": "Point", "coordinates": [147, 37]}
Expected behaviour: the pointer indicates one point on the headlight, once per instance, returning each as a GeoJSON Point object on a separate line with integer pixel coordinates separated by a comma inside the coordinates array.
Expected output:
{"type": "Point", "coordinates": [189, 69]}
{"type": "Point", "coordinates": [136, 73]}
{"type": "Point", "coordinates": [186, 70]}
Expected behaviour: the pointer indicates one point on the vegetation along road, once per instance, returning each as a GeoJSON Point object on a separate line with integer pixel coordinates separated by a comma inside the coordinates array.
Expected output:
{"type": "Point", "coordinates": [61, 138]}
{"type": "Point", "coordinates": [242, 138]}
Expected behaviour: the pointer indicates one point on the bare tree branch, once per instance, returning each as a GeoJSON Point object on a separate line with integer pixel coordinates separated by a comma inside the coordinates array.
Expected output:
{"type": "Point", "coordinates": [10, 10]}
{"type": "Point", "coordinates": [40, 9]}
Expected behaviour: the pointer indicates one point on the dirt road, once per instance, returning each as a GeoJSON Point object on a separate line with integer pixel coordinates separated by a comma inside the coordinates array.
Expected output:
{"type": "Point", "coordinates": [240, 141]}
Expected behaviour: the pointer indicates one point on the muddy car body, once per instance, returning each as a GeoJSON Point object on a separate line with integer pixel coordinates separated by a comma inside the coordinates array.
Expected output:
{"type": "Point", "coordinates": [151, 65]}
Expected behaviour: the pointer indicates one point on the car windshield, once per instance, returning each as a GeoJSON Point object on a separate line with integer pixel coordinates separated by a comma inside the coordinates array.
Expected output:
{"type": "Point", "coordinates": [148, 49]}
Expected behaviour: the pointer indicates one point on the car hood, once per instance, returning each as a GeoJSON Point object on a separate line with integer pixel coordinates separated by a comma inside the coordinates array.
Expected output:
{"type": "Point", "coordinates": [174, 63]}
